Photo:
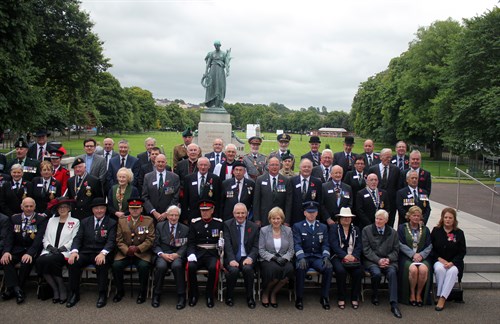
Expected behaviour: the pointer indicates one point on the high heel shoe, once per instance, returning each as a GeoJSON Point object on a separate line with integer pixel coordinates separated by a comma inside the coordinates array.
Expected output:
{"type": "Point", "coordinates": [341, 306]}
{"type": "Point", "coordinates": [265, 305]}
{"type": "Point", "coordinates": [56, 300]}
{"type": "Point", "coordinates": [274, 305]}
{"type": "Point", "coordinates": [355, 305]}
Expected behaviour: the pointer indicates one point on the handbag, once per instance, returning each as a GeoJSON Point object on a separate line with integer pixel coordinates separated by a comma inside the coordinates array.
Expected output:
{"type": "Point", "coordinates": [352, 264]}
{"type": "Point", "coordinates": [44, 291]}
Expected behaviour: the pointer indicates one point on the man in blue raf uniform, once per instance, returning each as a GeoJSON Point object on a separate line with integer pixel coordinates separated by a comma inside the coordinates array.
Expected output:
{"type": "Point", "coordinates": [312, 250]}
{"type": "Point", "coordinates": [204, 239]}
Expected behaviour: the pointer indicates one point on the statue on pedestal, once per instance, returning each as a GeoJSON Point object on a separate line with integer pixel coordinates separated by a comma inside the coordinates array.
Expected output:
{"type": "Point", "coordinates": [214, 79]}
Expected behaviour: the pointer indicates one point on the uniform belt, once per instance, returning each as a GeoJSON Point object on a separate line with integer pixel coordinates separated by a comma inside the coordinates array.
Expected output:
{"type": "Point", "coordinates": [207, 246]}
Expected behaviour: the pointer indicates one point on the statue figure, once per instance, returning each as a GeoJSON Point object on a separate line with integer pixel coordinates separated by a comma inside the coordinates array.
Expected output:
{"type": "Point", "coordinates": [214, 79]}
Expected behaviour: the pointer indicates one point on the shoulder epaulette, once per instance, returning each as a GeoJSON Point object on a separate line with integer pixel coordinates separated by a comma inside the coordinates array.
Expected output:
{"type": "Point", "coordinates": [194, 220]}
{"type": "Point", "coordinates": [217, 219]}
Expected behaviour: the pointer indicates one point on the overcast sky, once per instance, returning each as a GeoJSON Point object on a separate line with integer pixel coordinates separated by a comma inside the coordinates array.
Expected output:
{"type": "Point", "coordinates": [297, 53]}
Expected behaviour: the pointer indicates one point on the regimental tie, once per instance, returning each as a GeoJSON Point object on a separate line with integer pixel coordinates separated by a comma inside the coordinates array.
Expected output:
{"type": "Point", "coordinates": [348, 157]}
{"type": "Point", "coordinates": [375, 199]}
{"type": "Point", "coordinates": [369, 160]}
{"type": "Point", "coordinates": [274, 185]}
{"type": "Point", "coordinates": [78, 181]}
{"type": "Point", "coordinates": [40, 154]}
{"type": "Point", "coordinates": [97, 226]}
{"type": "Point", "coordinates": [202, 184]}
{"type": "Point", "coordinates": [217, 160]}
{"type": "Point", "coordinates": [17, 185]}
{"type": "Point", "coordinates": [360, 178]}
{"type": "Point", "coordinates": [160, 182]}
{"type": "Point", "coordinates": [337, 191]}
{"type": "Point", "coordinates": [107, 158]}
{"type": "Point", "coordinates": [312, 227]}
{"type": "Point", "coordinates": [238, 254]}
{"type": "Point", "coordinates": [327, 174]}
{"type": "Point", "coordinates": [381, 232]}
{"type": "Point", "coordinates": [415, 196]}
{"type": "Point", "coordinates": [384, 177]}
{"type": "Point", "coordinates": [172, 235]}
{"type": "Point", "coordinates": [400, 164]}
{"type": "Point", "coordinates": [45, 189]}
{"type": "Point", "coordinates": [238, 189]}
{"type": "Point", "coordinates": [123, 163]}
{"type": "Point", "coordinates": [304, 188]}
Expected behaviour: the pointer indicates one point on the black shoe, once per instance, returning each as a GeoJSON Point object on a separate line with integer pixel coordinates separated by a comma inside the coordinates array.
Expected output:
{"type": "Point", "coordinates": [141, 298]}
{"type": "Point", "coordinates": [73, 299]}
{"type": "Point", "coordinates": [299, 304]}
{"type": "Point", "coordinates": [438, 309]}
{"type": "Point", "coordinates": [118, 297]}
{"type": "Point", "coordinates": [155, 302]}
{"type": "Point", "coordinates": [251, 302]}
{"type": "Point", "coordinates": [101, 301]}
{"type": "Point", "coordinates": [63, 301]}
{"type": "Point", "coordinates": [325, 303]}
{"type": "Point", "coordinates": [210, 302]}
{"type": "Point", "coordinates": [266, 305]}
{"type": "Point", "coordinates": [56, 300]}
{"type": "Point", "coordinates": [9, 294]}
{"type": "Point", "coordinates": [229, 302]}
{"type": "Point", "coordinates": [193, 301]}
{"type": "Point", "coordinates": [274, 305]}
{"type": "Point", "coordinates": [420, 304]}
{"type": "Point", "coordinates": [20, 296]}
{"type": "Point", "coordinates": [395, 310]}
{"type": "Point", "coordinates": [375, 300]}
{"type": "Point", "coordinates": [181, 302]}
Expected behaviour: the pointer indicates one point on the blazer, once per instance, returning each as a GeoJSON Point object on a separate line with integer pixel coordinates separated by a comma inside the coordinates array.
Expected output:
{"type": "Point", "coordinates": [31, 168]}
{"type": "Point", "coordinates": [449, 247]}
{"type": "Point", "coordinates": [98, 167]}
{"type": "Point", "coordinates": [162, 239]}
{"type": "Point", "coordinates": [88, 241]}
{"type": "Point", "coordinates": [145, 169]}
{"type": "Point", "coordinates": [143, 158]}
{"type": "Point", "coordinates": [182, 170]}
{"type": "Point", "coordinates": [352, 179]}
{"type": "Point", "coordinates": [329, 205]}
{"type": "Point", "coordinates": [424, 180]}
{"type": "Point", "coordinates": [392, 184]}
{"type": "Point", "coordinates": [339, 158]}
{"type": "Point", "coordinates": [90, 188]}
{"type": "Point", "coordinates": [5, 231]}
{"type": "Point", "coordinates": [131, 163]}
{"type": "Point", "coordinates": [376, 246]}
{"type": "Point", "coordinates": [212, 191]}
{"type": "Point", "coordinates": [130, 192]}
{"type": "Point", "coordinates": [319, 172]}
{"type": "Point", "coordinates": [266, 243]}
{"type": "Point", "coordinates": [29, 243]}
{"type": "Point", "coordinates": [33, 150]}
{"type": "Point", "coordinates": [375, 160]}
{"type": "Point", "coordinates": [41, 196]}
{"type": "Point", "coordinates": [406, 162]}
{"type": "Point", "coordinates": [405, 200]}
{"type": "Point", "coordinates": [232, 244]}
{"type": "Point", "coordinates": [229, 196]}
{"type": "Point", "coordinates": [366, 208]}
{"type": "Point", "coordinates": [314, 193]}
{"type": "Point", "coordinates": [309, 156]}
{"type": "Point", "coordinates": [211, 157]}
{"type": "Point", "coordinates": [68, 233]}
{"type": "Point", "coordinates": [160, 200]}
{"type": "Point", "coordinates": [143, 238]}
{"type": "Point", "coordinates": [337, 237]}
{"type": "Point", "coordinates": [265, 199]}
{"type": "Point", "coordinates": [11, 198]}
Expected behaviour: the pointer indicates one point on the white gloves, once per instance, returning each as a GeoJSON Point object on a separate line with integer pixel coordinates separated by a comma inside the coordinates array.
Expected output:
{"type": "Point", "coordinates": [192, 258]}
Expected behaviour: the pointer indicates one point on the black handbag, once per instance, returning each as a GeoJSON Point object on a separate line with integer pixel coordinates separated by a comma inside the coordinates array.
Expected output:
{"type": "Point", "coordinates": [45, 291]}
{"type": "Point", "coordinates": [456, 294]}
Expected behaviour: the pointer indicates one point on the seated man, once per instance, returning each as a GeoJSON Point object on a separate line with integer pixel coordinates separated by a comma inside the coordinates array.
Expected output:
{"type": "Point", "coordinates": [22, 245]}
{"type": "Point", "coordinates": [203, 242]}
{"type": "Point", "coordinates": [135, 235]}
{"type": "Point", "coordinates": [170, 246]}
{"type": "Point", "coordinates": [92, 244]}
{"type": "Point", "coordinates": [381, 248]}
{"type": "Point", "coordinates": [312, 250]}
{"type": "Point", "coordinates": [241, 247]}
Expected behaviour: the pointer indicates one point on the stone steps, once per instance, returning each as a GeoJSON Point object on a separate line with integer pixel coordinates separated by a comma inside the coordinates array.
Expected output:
{"type": "Point", "coordinates": [482, 263]}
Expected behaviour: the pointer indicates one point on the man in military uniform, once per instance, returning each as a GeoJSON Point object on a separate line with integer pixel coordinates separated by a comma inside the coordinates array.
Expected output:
{"type": "Point", "coordinates": [204, 239]}
{"type": "Point", "coordinates": [314, 154]}
{"type": "Point", "coordinates": [336, 194]}
{"type": "Point", "coordinates": [283, 141]}
{"type": "Point", "coordinates": [255, 161]}
{"type": "Point", "coordinates": [346, 158]}
{"type": "Point", "coordinates": [170, 247]}
{"type": "Point", "coordinates": [180, 151]}
{"type": "Point", "coordinates": [92, 244]}
{"type": "Point", "coordinates": [23, 246]}
{"type": "Point", "coordinates": [82, 187]}
{"type": "Point", "coordinates": [287, 163]}
{"type": "Point", "coordinates": [14, 191]}
{"type": "Point", "coordinates": [412, 195]}
{"type": "Point", "coordinates": [312, 250]}
{"type": "Point", "coordinates": [401, 160]}
{"type": "Point", "coordinates": [135, 235]}
{"type": "Point", "coordinates": [60, 173]}
{"type": "Point", "coordinates": [31, 167]}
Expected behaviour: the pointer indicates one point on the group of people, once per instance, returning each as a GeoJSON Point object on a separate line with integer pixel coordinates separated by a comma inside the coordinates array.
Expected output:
{"type": "Point", "coordinates": [220, 211]}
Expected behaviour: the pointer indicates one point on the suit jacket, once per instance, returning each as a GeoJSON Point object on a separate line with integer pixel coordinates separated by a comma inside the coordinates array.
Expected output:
{"type": "Point", "coordinates": [375, 160]}
{"type": "Point", "coordinates": [160, 200]}
{"type": "Point", "coordinates": [212, 191]}
{"type": "Point", "coordinates": [319, 172]}
{"type": "Point", "coordinates": [98, 167]}
{"type": "Point", "coordinates": [103, 154]}
{"type": "Point", "coordinates": [131, 163]}
{"type": "Point", "coordinates": [339, 158]}
{"type": "Point", "coordinates": [265, 199]}
{"type": "Point", "coordinates": [3, 163]}
{"type": "Point", "coordinates": [143, 158]}
{"type": "Point", "coordinates": [87, 240]}
{"type": "Point", "coordinates": [229, 196]}
{"type": "Point", "coordinates": [366, 208]}
{"type": "Point", "coordinates": [309, 156]}
{"type": "Point", "coordinates": [391, 186]}
{"type": "Point", "coordinates": [90, 188]}
{"type": "Point", "coordinates": [162, 239]}
{"type": "Point", "coordinates": [68, 233]}
{"type": "Point", "coordinates": [376, 246]}
{"type": "Point", "coordinates": [329, 206]}
{"type": "Point", "coordinates": [182, 170]}
{"type": "Point", "coordinates": [232, 243]}
{"type": "Point", "coordinates": [405, 200]}
{"type": "Point", "coordinates": [211, 157]}
{"type": "Point", "coordinates": [145, 169]}
{"type": "Point", "coordinates": [266, 243]}
{"type": "Point", "coordinates": [314, 193]}
{"type": "Point", "coordinates": [352, 179]}
{"type": "Point", "coordinates": [143, 238]}
{"type": "Point", "coordinates": [424, 180]}
{"type": "Point", "coordinates": [33, 150]}
{"type": "Point", "coordinates": [406, 162]}
{"type": "Point", "coordinates": [11, 198]}
{"type": "Point", "coordinates": [41, 196]}
{"type": "Point", "coordinates": [31, 168]}
{"type": "Point", "coordinates": [28, 239]}
{"type": "Point", "coordinates": [5, 231]}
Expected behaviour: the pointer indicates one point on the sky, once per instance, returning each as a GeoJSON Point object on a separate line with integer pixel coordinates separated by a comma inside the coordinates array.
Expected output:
{"type": "Point", "coordinates": [296, 53]}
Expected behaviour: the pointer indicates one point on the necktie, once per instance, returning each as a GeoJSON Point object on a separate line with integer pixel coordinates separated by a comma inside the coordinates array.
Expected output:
{"type": "Point", "coordinates": [315, 157]}
{"type": "Point", "coordinates": [369, 160]}
{"type": "Point", "coordinates": [327, 174]}
{"type": "Point", "coordinates": [123, 163]}
{"type": "Point", "coordinates": [97, 226]}
{"type": "Point", "coordinates": [17, 185]}
{"type": "Point", "coordinates": [217, 159]}
{"type": "Point", "coordinates": [172, 235]}
{"type": "Point", "coordinates": [107, 157]}
{"type": "Point", "coordinates": [25, 223]}
{"type": "Point", "coordinates": [312, 227]}
{"type": "Point", "coordinates": [360, 178]}
{"type": "Point", "coordinates": [400, 164]}
{"type": "Point", "coordinates": [274, 185]}
{"type": "Point", "coordinates": [381, 232]}
{"type": "Point", "coordinates": [384, 177]}
{"type": "Point", "coordinates": [202, 184]}
{"type": "Point", "coordinates": [78, 181]}
{"type": "Point", "coordinates": [45, 185]}
{"type": "Point", "coordinates": [304, 188]}
{"type": "Point", "coordinates": [238, 189]}
{"type": "Point", "coordinates": [238, 233]}
{"type": "Point", "coordinates": [40, 154]}
{"type": "Point", "coordinates": [348, 157]}
{"type": "Point", "coordinates": [415, 196]}
{"type": "Point", "coordinates": [337, 191]}
{"type": "Point", "coordinates": [160, 183]}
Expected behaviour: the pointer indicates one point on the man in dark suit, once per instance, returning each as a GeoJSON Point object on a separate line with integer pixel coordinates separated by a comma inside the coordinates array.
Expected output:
{"type": "Point", "coordinates": [93, 244]}
{"type": "Point", "coordinates": [5, 231]}
{"type": "Point", "coordinates": [23, 246]}
{"type": "Point", "coordinates": [224, 170]}
{"type": "Point", "coordinates": [336, 194]}
{"type": "Point", "coordinates": [149, 167]}
{"type": "Point", "coordinates": [170, 247]}
{"type": "Point", "coordinates": [14, 191]}
{"type": "Point", "coordinates": [120, 161]}
{"type": "Point", "coordinates": [41, 149]}
{"type": "Point", "coordinates": [389, 180]}
{"type": "Point", "coordinates": [369, 200]}
{"type": "Point", "coordinates": [241, 248]}
{"type": "Point", "coordinates": [271, 190]}
{"type": "Point", "coordinates": [412, 195]}
{"type": "Point", "coordinates": [323, 170]}
{"type": "Point", "coordinates": [108, 151]}
{"type": "Point", "coordinates": [31, 167]}
{"type": "Point", "coordinates": [160, 190]}
{"type": "Point", "coordinates": [370, 157]}
{"type": "Point", "coordinates": [198, 186]}
{"type": "Point", "coordinates": [236, 190]}
{"type": "Point", "coordinates": [83, 187]}
{"type": "Point", "coordinates": [424, 176]}
{"type": "Point", "coordinates": [346, 158]}
{"type": "Point", "coordinates": [356, 179]}
{"type": "Point", "coordinates": [95, 164]}
{"type": "Point", "coordinates": [216, 156]}
{"type": "Point", "coordinates": [45, 189]}
{"type": "Point", "coordinates": [304, 188]}
{"type": "Point", "coordinates": [314, 154]}
{"type": "Point", "coordinates": [144, 157]}
{"type": "Point", "coordinates": [401, 159]}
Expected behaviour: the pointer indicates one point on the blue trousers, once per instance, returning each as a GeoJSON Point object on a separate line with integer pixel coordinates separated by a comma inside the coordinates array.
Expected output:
{"type": "Point", "coordinates": [316, 264]}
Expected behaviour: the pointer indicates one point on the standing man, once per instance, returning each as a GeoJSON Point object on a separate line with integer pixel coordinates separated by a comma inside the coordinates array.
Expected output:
{"type": "Point", "coordinates": [346, 158]}
{"type": "Point", "coordinates": [314, 155]}
{"type": "Point", "coordinates": [13, 192]}
{"type": "Point", "coordinates": [135, 235]}
{"type": "Point", "coordinates": [149, 167]}
{"type": "Point", "coordinates": [304, 188]}
{"type": "Point", "coordinates": [224, 169]}
{"type": "Point", "coordinates": [188, 166]}
{"type": "Point", "coordinates": [204, 239]}
{"type": "Point", "coordinates": [23, 245]}
{"type": "Point", "coordinates": [241, 247]}
{"type": "Point", "coordinates": [181, 150]}
{"type": "Point", "coordinates": [41, 149]}
{"type": "Point", "coordinates": [424, 176]}
{"type": "Point", "coordinates": [286, 165]}
{"type": "Point", "coordinates": [144, 157]}
{"type": "Point", "coordinates": [95, 165]}
{"type": "Point", "coordinates": [336, 194]}
{"type": "Point", "coordinates": [271, 190]}
{"type": "Point", "coordinates": [84, 188]}
{"type": "Point", "coordinates": [401, 159]}
{"type": "Point", "coordinates": [312, 250]}
{"type": "Point", "coordinates": [412, 195]}
{"type": "Point", "coordinates": [381, 249]}
{"type": "Point", "coordinates": [356, 179]}
{"type": "Point", "coordinates": [60, 173]}
{"type": "Point", "coordinates": [160, 190]}
{"type": "Point", "coordinates": [322, 171]}
{"type": "Point", "coordinates": [170, 247]}
{"type": "Point", "coordinates": [216, 156]}
{"type": "Point", "coordinates": [369, 200]}
{"type": "Point", "coordinates": [236, 190]}
{"type": "Point", "coordinates": [108, 152]}
{"type": "Point", "coordinates": [31, 167]}
{"type": "Point", "coordinates": [284, 142]}
{"type": "Point", "coordinates": [92, 244]}
{"type": "Point", "coordinates": [255, 161]}
{"type": "Point", "coordinates": [368, 155]}
{"type": "Point", "coordinates": [120, 161]}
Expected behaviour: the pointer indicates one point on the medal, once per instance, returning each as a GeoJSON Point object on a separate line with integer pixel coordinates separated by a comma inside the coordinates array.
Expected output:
{"type": "Point", "coordinates": [32, 236]}
{"type": "Point", "coordinates": [210, 193]}
{"type": "Point", "coordinates": [89, 191]}
{"type": "Point", "coordinates": [425, 203]}
{"type": "Point", "coordinates": [313, 194]}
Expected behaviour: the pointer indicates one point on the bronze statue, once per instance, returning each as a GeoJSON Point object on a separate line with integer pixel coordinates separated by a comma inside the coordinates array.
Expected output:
{"type": "Point", "coordinates": [214, 79]}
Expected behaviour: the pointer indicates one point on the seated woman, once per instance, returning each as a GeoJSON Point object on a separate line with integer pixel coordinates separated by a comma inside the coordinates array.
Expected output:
{"type": "Point", "coordinates": [414, 247]}
{"type": "Point", "coordinates": [448, 249]}
{"type": "Point", "coordinates": [59, 234]}
{"type": "Point", "coordinates": [45, 188]}
{"type": "Point", "coordinates": [120, 193]}
{"type": "Point", "coordinates": [276, 252]}
{"type": "Point", "coordinates": [346, 246]}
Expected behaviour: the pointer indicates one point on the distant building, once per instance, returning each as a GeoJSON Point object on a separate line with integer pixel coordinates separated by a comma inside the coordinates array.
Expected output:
{"type": "Point", "coordinates": [330, 132]}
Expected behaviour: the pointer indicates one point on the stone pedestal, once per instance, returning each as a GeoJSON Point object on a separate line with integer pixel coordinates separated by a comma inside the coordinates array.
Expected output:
{"type": "Point", "coordinates": [216, 125]}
